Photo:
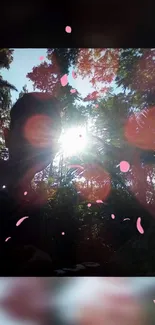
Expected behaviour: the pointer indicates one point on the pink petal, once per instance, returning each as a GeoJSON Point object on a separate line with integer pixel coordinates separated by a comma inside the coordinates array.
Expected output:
{"type": "Point", "coordinates": [73, 91]}
{"type": "Point", "coordinates": [41, 58]}
{"type": "Point", "coordinates": [74, 75]}
{"type": "Point", "coordinates": [76, 166]}
{"type": "Point", "coordinates": [20, 221]}
{"type": "Point", "coordinates": [68, 29]}
{"type": "Point", "coordinates": [99, 201]}
{"type": "Point", "coordinates": [112, 216]}
{"type": "Point", "coordinates": [89, 205]}
{"type": "Point", "coordinates": [124, 166]}
{"type": "Point", "coordinates": [7, 238]}
{"type": "Point", "coordinates": [64, 80]}
{"type": "Point", "coordinates": [96, 105]}
{"type": "Point", "coordinates": [25, 193]}
{"type": "Point", "coordinates": [63, 233]}
{"type": "Point", "coordinates": [139, 227]}
{"type": "Point", "coordinates": [126, 219]}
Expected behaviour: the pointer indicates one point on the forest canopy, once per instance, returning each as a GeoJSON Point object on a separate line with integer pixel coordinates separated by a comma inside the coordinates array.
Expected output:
{"type": "Point", "coordinates": [114, 123]}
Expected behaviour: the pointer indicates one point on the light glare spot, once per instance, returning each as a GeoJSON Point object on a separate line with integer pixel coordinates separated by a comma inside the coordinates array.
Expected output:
{"type": "Point", "coordinates": [73, 141]}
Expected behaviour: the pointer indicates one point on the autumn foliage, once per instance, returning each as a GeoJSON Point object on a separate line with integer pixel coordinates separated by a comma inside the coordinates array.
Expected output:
{"type": "Point", "coordinates": [100, 66]}
{"type": "Point", "coordinates": [144, 74]}
{"type": "Point", "coordinates": [46, 77]}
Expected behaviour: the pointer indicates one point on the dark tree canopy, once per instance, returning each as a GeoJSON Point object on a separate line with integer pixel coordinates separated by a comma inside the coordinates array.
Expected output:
{"type": "Point", "coordinates": [82, 191]}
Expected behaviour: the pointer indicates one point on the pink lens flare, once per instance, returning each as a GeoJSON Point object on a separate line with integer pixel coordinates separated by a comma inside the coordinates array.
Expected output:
{"type": "Point", "coordinates": [139, 226]}
{"type": "Point", "coordinates": [124, 166]}
{"type": "Point", "coordinates": [89, 205]}
{"type": "Point", "coordinates": [68, 29]}
{"type": "Point", "coordinates": [64, 80]}
{"type": "Point", "coordinates": [24, 300]}
{"type": "Point", "coordinates": [25, 193]}
{"type": "Point", "coordinates": [74, 75]}
{"type": "Point", "coordinates": [73, 91]}
{"type": "Point", "coordinates": [7, 238]}
{"type": "Point", "coordinates": [139, 129]}
{"type": "Point", "coordinates": [112, 216]}
{"type": "Point", "coordinates": [20, 221]}
{"type": "Point", "coordinates": [63, 233]}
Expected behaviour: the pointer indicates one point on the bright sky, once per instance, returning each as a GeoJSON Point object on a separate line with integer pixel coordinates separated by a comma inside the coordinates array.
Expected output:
{"type": "Point", "coordinates": [24, 61]}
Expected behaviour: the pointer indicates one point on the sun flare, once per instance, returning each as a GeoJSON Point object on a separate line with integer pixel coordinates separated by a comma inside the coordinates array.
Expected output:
{"type": "Point", "coordinates": [73, 141]}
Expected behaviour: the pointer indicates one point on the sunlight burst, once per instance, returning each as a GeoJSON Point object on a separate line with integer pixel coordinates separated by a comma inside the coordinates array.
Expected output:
{"type": "Point", "coordinates": [73, 141]}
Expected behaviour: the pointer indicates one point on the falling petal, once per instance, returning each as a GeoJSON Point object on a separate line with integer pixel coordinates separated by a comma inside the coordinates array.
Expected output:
{"type": "Point", "coordinates": [73, 91]}
{"type": "Point", "coordinates": [126, 219]}
{"type": "Point", "coordinates": [89, 205]}
{"type": "Point", "coordinates": [76, 166]}
{"type": "Point", "coordinates": [99, 201]}
{"type": "Point", "coordinates": [4, 186]}
{"type": "Point", "coordinates": [41, 58]}
{"type": "Point", "coordinates": [7, 238]}
{"type": "Point", "coordinates": [154, 301]}
{"type": "Point", "coordinates": [25, 193]}
{"type": "Point", "coordinates": [63, 233]}
{"type": "Point", "coordinates": [68, 29]}
{"type": "Point", "coordinates": [20, 221]}
{"type": "Point", "coordinates": [112, 216]}
{"type": "Point", "coordinates": [64, 80]}
{"type": "Point", "coordinates": [74, 75]}
{"type": "Point", "coordinates": [124, 166]}
{"type": "Point", "coordinates": [139, 227]}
